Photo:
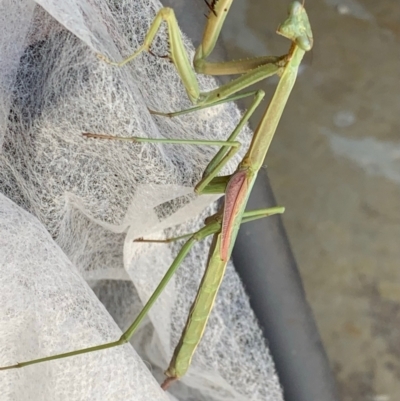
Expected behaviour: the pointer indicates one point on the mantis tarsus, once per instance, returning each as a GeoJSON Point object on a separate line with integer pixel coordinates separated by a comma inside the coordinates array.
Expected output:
{"type": "Point", "coordinates": [224, 225]}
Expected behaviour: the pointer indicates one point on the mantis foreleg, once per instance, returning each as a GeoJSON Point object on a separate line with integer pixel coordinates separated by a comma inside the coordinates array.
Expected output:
{"type": "Point", "coordinates": [253, 69]}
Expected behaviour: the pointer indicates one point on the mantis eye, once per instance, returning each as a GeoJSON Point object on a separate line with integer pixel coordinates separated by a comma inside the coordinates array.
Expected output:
{"type": "Point", "coordinates": [304, 42]}
{"type": "Point", "coordinates": [295, 8]}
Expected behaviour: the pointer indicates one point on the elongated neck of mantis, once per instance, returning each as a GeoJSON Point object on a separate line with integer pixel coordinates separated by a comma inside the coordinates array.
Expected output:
{"type": "Point", "coordinates": [266, 128]}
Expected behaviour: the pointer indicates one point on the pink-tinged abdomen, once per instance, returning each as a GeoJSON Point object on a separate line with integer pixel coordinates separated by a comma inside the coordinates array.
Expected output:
{"type": "Point", "coordinates": [236, 192]}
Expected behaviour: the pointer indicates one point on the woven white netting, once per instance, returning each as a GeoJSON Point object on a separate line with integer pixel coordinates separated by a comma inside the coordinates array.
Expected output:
{"type": "Point", "coordinates": [82, 201]}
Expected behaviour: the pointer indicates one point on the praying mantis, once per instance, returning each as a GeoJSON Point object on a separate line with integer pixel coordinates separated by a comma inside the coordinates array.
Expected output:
{"type": "Point", "coordinates": [224, 225]}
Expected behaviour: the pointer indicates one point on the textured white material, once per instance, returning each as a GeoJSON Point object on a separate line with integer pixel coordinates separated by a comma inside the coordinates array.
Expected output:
{"type": "Point", "coordinates": [94, 197]}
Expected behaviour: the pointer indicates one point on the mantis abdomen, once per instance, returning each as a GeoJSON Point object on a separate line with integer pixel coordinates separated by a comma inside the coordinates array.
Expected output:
{"type": "Point", "coordinates": [199, 313]}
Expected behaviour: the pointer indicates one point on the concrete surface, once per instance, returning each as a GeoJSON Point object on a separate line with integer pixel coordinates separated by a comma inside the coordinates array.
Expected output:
{"type": "Point", "coordinates": [335, 165]}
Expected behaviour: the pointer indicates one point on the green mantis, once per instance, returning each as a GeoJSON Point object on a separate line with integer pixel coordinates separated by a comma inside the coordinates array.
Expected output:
{"type": "Point", "coordinates": [224, 225]}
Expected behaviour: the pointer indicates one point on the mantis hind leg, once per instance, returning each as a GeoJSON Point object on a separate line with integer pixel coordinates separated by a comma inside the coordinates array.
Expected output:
{"type": "Point", "coordinates": [213, 227]}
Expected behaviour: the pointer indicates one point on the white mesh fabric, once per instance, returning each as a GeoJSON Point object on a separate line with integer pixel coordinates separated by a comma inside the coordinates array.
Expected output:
{"type": "Point", "coordinates": [46, 307]}
{"type": "Point", "coordinates": [94, 197]}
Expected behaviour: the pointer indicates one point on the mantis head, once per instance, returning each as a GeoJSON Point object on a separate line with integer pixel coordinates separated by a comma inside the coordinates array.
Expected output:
{"type": "Point", "coordinates": [297, 27]}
